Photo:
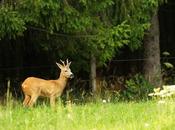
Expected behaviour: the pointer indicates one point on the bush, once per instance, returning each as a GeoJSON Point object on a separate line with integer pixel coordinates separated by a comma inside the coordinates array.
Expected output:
{"type": "Point", "coordinates": [11, 23]}
{"type": "Point", "coordinates": [137, 88]}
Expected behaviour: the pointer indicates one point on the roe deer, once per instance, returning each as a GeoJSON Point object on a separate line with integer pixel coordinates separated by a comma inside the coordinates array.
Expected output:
{"type": "Point", "coordinates": [34, 87]}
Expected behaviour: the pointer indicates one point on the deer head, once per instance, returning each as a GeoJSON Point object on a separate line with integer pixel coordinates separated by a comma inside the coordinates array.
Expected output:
{"type": "Point", "coordinates": [65, 70]}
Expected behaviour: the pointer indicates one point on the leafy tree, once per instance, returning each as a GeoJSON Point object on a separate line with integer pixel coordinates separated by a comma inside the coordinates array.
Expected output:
{"type": "Point", "coordinates": [80, 29]}
{"type": "Point", "coordinates": [11, 23]}
{"type": "Point", "coordinates": [109, 24]}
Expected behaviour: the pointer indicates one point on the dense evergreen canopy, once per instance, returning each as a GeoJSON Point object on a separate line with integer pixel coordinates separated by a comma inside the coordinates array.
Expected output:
{"type": "Point", "coordinates": [72, 28]}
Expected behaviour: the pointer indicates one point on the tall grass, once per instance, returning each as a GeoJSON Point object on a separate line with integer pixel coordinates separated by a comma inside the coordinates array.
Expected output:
{"type": "Point", "coordinates": [149, 115]}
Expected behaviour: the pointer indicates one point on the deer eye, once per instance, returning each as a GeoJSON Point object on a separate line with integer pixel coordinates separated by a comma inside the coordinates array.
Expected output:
{"type": "Point", "coordinates": [65, 71]}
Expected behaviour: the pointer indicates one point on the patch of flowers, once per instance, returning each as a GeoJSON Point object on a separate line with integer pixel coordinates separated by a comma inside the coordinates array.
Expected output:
{"type": "Point", "coordinates": [167, 91]}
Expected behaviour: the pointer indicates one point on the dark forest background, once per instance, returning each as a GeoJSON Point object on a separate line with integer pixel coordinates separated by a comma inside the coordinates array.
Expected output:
{"type": "Point", "coordinates": [116, 34]}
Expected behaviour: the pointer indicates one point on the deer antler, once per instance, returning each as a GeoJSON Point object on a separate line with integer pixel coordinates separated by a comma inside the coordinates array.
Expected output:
{"type": "Point", "coordinates": [67, 61]}
{"type": "Point", "coordinates": [62, 62]}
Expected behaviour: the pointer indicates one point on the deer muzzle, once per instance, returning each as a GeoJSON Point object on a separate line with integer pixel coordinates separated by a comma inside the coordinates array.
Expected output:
{"type": "Point", "coordinates": [71, 76]}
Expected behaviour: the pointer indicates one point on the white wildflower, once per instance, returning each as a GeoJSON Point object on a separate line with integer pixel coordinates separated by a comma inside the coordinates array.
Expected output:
{"type": "Point", "coordinates": [104, 101]}
{"type": "Point", "coordinates": [167, 91]}
{"type": "Point", "coordinates": [69, 116]}
{"type": "Point", "coordinates": [147, 125]}
{"type": "Point", "coordinates": [161, 102]}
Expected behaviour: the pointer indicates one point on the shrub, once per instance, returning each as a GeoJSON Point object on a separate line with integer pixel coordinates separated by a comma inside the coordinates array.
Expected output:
{"type": "Point", "coordinates": [136, 88]}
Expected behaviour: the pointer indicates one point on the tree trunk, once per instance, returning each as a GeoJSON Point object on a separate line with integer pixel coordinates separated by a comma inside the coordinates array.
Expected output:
{"type": "Point", "coordinates": [93, 74]}
{"type": "Point", "coordinates": [152, 67]}
{"type": "Point", "coordinates": [2, 2]}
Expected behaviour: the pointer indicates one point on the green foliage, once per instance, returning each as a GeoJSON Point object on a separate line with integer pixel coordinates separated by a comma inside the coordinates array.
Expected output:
{"type": "Point", "coordinates": [106, 25]}
{"type": "Point", "coordinates": [137, 88]}
{"type": "Point", "coordinates": [44, 14]}
{"type": "Point", "coordinates": [11, 23]}
{"type": "Point", "coordinates": [165, 53]}
{"type": "Point", "coordinates": [109, 41]}
{"type": "Point", "coordinates": [168, 65]}
{"type": "Point", "coordinates": [138, 14]}
{"type": "Point", "coordinates": [167, 69]}
{"type": "Point", "coordinates": [139, 17]}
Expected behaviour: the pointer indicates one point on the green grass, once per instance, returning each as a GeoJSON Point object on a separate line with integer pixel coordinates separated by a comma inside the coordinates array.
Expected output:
{"type": "Point", "coordinates": [149, 115]}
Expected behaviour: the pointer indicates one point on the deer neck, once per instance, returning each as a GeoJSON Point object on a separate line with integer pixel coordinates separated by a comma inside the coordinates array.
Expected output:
{"type": "Point", "coordinates": [62, 81]}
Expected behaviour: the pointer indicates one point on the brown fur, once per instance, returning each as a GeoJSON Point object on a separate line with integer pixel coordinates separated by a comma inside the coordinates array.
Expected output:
{"type": "Point", "coordinates": [34, 87]}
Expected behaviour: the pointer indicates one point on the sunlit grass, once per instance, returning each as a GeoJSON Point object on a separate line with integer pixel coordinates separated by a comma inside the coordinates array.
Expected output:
{"type": "Point", "coordinates": [149, 115]}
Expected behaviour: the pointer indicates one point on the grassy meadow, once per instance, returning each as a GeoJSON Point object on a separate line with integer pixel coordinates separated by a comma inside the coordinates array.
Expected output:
{"type": "Point", "coordinates": [148, 115]}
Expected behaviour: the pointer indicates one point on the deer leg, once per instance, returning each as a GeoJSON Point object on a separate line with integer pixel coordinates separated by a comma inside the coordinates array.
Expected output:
{"type": "Point", "coordinates": [26, 100]}
{"type": "Point", "coordinates": [52, 101]}
{"type": "Point", "coordinates": [32, 100]}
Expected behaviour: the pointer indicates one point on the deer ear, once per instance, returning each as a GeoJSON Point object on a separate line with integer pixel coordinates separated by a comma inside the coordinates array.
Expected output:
{"type": "Point", "coordinates": [59, 65]}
